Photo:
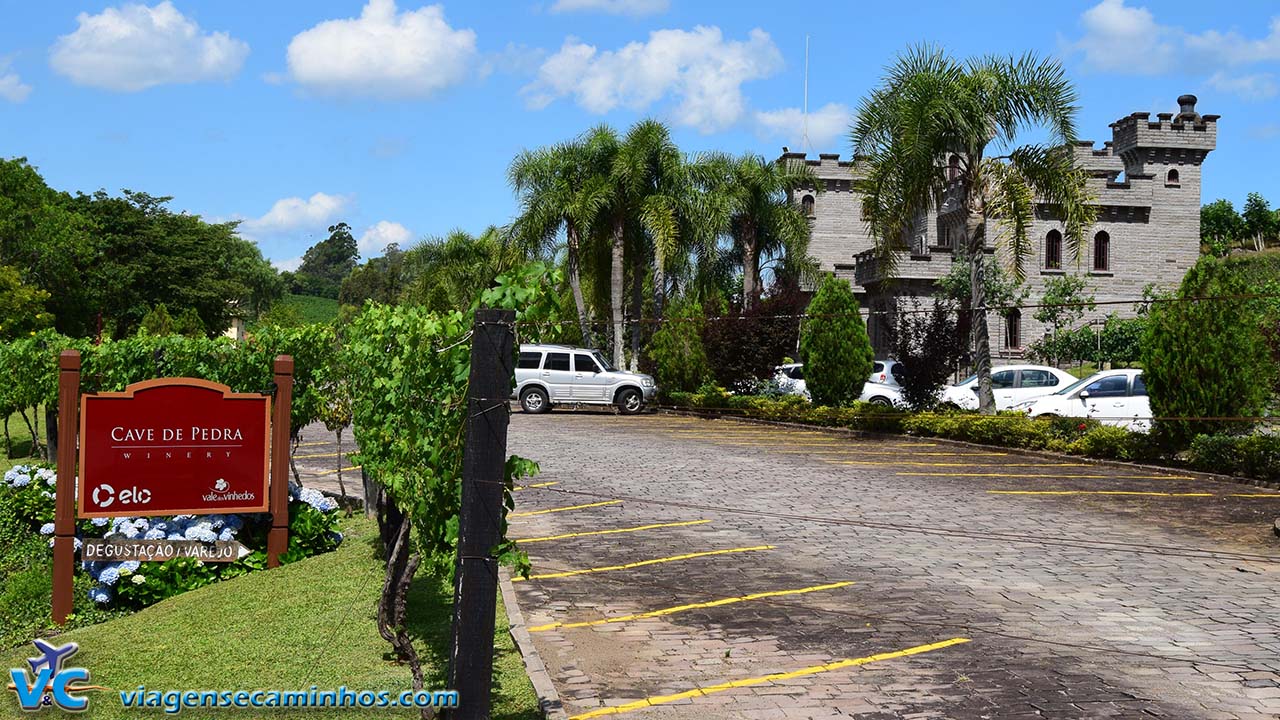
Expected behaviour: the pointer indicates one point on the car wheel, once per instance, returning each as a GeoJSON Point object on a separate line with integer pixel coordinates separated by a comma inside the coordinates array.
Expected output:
{"type": "Point", "coordinates": [534, 400]}
{"type": "Point", "coordinates": [630, 401]}
{"type": "Point", "coordinates": [881, 401]}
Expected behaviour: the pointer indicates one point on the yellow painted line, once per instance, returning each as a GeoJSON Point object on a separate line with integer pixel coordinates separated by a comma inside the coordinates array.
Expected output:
{"type": "Point", "coordinates": [1255, 495]}
{"type": "Point", "coordinates": [334, 472]}
{"type": "Point", "coordinates": [313, 444]}
{"type": "Point", "coordinates": [564, 509]}
{"type": "Point", "coordinates": [323, 455]}
{"type": "Point", "coordinates": [955, 464]}
{"type": "Point", "coordinates": [763, 679]}
{"type": "Point", "coordinates": [931, 453]}
{"type": "Point", "coordinates": [535, 485]}
{"type": "Point", "coordinates": [1097, 492]}
{"type": "Point", "coordinates": [823, 444]}
{"type": "Point", "coordinates": [643, 563]}
{"type": "Point", "coordinates": [1024, 475]}
{"type": "Point", "coordinates": [693, 606]}
{"type": "Point", "coordinates": [613, 532]}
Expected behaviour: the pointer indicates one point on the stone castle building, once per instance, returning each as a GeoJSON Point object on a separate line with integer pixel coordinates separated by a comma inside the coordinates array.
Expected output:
{"type": "Point", "coordinates": [1145, 181]}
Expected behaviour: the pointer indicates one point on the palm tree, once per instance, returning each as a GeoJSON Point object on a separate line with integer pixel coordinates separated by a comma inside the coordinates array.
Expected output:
{"type": "Point", "coordinates": [753, 196]}
{"type": "Point", "coordinates": [561, 186]}
{"type": "Point", "coordinates": [930, 107]}
{"type": "Point", "coordinates": [449, 273]}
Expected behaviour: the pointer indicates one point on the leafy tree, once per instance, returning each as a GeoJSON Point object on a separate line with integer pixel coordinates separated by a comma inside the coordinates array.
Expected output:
{"type": "Point", "coordinates": [21, 306]}
{"type": "Point", "coordinates": [680, 361]}
{"type": "Point", "coordinates": [449, 273]}
{"type": "Point", "coordinates": [931, 108]}
{"type": "Point", "coordinates": [929, 346]}
{"type": "Point", "coordinates": [1259, 221]}
{"type": "Point", "coordinates": [747, 345]}
{"type": "Point", "coordinates": [834, 346]}
{"type": "Point", "coordinates": [1221, 227]}
{"type": "Point", "coordinates": [754, 195]}
{"type": "Point", "coordinates": [1064, 302]}
{"type": "Point", "coordinates": [326, 263]}
{"type": "Point", "coordinates": [381, 279]}
{"type": "Point", "coordinates": [1206, 358]}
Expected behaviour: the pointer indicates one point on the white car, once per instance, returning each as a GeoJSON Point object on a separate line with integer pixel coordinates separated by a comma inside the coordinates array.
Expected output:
{"type": "Point", "coordinates": [549, 375]}
{"type": "Point", "coordinates": [790, 378]}
{"type": "Point", "coordinates": [1113, 397]}
{"type": "Point", "coordinates": [883, 394]}
{"type": "Point", "coordinates": [1011, 384]}
{"type": "Point", "coordinates": [886, 372]}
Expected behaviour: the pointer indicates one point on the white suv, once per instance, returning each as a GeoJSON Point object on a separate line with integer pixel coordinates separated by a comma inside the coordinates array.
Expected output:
{"type": "Point", "coordinates": [549, 375]}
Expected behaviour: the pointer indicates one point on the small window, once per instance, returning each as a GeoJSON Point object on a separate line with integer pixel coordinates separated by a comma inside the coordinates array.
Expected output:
{"type": "Point", "coordinates": [1053, 250]}
{"type": "Point", "coordinates": [1102, 251]}
{"type": "Point", "coordinates": [898, 371]}
{"type": "Point", "coordinates": [1172, 178]}
{"type": "Point", "coordinates": [583, 363]}
{"type": "Point", "coordinates": [1038, 378]}
{"type": "Point", "coordinates": [1113, 386]}
{"type": "Point", "coordinates": [953, 168]}
{"type": "Point", "coordinates": [1013, 329]}
{"type": "Point", "coordinates": [877, 368]}
{"type": "Point", "coordinates": [1002, 379]}
{"type": "Point", "coordinates": [806, 204]}
{"type": "Point", "coordinates": [557, 361]}
{"type": "Point", "coordinates": [529, 361]}
{"type": "Point", "coordinates": [1139, 386]}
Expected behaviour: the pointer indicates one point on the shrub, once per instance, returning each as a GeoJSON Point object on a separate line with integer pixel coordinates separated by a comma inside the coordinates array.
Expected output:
{"type": "Point", "coordinates": [1255, 456]}
{"type": "Point", "coordinates": [1207, 358]}
{"type": "Point", "coordinates": [680, 362]}
{"type": "Point", "coordinates": [929, 346]}
{"type": "Point", "coordinates": [834, 346]}
{"type": "Point", "coordinates": [744, 347]}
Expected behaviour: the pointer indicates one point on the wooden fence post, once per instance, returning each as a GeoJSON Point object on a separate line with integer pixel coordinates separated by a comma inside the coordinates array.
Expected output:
{"type": "Point", "coordinates": [64, 519]}
{"type": "Point", "coordinates": [281, 412]}
{"type": "Point", "coordinates": [483, 458]}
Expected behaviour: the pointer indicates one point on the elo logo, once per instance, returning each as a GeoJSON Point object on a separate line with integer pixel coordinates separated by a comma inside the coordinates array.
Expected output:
{"type": "Point", "coordinates": [104, 496]}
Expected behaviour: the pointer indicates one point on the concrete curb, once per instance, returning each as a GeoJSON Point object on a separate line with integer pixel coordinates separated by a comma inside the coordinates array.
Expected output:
{"type": "Point", "coordinates": [548, 698]}
{"type": "Point", "coordinates": [711, 413]}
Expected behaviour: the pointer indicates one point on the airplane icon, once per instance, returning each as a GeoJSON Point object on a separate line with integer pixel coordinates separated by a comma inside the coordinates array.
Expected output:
{"type": "Point", "coordinates": [53, 656]}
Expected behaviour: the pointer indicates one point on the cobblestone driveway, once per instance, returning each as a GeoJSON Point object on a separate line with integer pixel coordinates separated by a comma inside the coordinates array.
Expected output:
{"type": "Point", "coordinates": [755, 572]}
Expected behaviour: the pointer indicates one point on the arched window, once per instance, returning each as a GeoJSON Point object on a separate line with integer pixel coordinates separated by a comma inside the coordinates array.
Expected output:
{"type": "Point", "coordinates": [1013, 329]}
{"type": "Point", "coordinates": [953, 167]}
{"type": "Point", "coordinates": [1172, 178]}
{"type": "Point", "coordinates": [806, 204]}
{"type": "Point", "coordinates": [1102, 251]}
{"type": "Point", "coordinates": [1053, 250]}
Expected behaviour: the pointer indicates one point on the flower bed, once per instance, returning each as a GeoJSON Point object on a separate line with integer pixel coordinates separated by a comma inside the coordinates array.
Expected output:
{"type": "Point", "coordinates": [313, 517]}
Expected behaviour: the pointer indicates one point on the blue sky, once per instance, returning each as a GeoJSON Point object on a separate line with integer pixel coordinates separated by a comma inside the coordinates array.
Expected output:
{"type": "Point", "coordinates": [401, 118]}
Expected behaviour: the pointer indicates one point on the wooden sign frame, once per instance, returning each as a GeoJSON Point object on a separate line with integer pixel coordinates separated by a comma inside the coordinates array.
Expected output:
{"type": "Point", "coordinates": [70, 423]}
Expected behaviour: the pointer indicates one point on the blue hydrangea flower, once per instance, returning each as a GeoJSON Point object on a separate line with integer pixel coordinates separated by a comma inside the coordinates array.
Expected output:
{"type": "Point", "coordinates": [46, 529]}
{"type": "Point", "coordinates": [109, 576]}
{"type": "Point", "coordinates": [202, 532]}
{"type": "Point", "coordinates": [100, 521]}
{"type": "Point", "coordinates": [227, 535]}
{"type": "Point", "coordinates": [100, 594]}
{"type": "Point", "coordinates": [130, 566]}
{"type": "Point", "coordinates": [48, 476]}
{"type": "Point", "coordinates": [336, 535]}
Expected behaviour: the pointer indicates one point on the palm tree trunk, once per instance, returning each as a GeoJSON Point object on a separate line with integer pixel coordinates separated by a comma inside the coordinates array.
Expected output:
{"type": "Point", "coordinates": [575, 283]}
{"type": "Point", "coordinates": [615, 292]}
{"type": "Point", "coordinates": [974, 229]}
{"type": "Point", "coordinates": [750, 269]}
{"type": "Point", "coordinates": [637, 309]}
{"type": "Point", "coordinates": [659, 286]}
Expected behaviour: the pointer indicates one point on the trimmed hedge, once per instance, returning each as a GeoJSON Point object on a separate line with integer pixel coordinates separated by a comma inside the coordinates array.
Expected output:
{"type": "Point", "coordinates": [1252, 456]}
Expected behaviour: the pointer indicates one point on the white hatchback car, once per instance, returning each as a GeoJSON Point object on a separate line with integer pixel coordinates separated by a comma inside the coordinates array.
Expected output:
{"type": "Point", "coordinates": [1011, 384]}
{"type": "Point", "coordinates": [549, 375]}
{"type": "Point", "coordinates": [1113, 397]}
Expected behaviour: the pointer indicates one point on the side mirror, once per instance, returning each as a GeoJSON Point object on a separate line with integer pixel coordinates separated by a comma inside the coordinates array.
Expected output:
{"type": "Point", "coordinates": [974, 389]}
{"type": "Point", "coordinates": [1084, 394]}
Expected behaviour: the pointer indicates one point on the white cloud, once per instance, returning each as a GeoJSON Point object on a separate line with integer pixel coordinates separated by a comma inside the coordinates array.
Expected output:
{"type": "Point", "coordinates": [290, 265]}
{"type": "Point", "coordinates": [295, 213]}
{"type": "Point", "coordinates": [702, 72]}
{"type": "Point", "coordinates": [135, 47]}
{"type": "Point", "coordinates": [1128, 39]}
{"type": "Point", "coordinates": [11, 86]}
{"type": "Point", "coordinates": [383, 53]}
{"type": "Point", "coordinates": [1259, 86]}
{"type": "Point", "coordinates": [613, 7]}
{"type": "Point", "coordinates": [826, 125]}
{"type": "Point", "coordinates": [377, 237]}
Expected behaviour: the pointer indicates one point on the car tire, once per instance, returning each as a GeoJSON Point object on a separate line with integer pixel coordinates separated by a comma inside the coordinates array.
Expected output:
{"type": "Point", "coordinates": [881, 401]}
{"type": "Point", "coordinates": [629, 401]}
{"type": "Point", "coordinates": [534, 400]}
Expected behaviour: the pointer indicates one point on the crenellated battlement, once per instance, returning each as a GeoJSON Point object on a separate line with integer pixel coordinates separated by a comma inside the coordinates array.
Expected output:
{"type": "Point", "coordinates": [1181, 138]}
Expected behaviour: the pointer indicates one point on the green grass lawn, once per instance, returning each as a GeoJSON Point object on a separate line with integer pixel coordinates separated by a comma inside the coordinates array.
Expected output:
{"type": "Point", "coordinates": [20, 439]}
{"type": "Point", "coordinates": [308, 623]}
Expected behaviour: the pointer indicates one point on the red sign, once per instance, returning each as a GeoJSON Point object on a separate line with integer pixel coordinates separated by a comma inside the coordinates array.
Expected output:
{"type": "Point", "coordinates": [174, 446]}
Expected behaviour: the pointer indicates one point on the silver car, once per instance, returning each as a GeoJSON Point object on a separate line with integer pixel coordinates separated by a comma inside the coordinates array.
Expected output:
{"type": "Point", "coordinates": [549, 375]}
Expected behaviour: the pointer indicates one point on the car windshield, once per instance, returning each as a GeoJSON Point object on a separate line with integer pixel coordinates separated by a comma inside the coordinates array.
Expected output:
{"type": "Point", "coordinates": [967, 380]}
{"type": "Point", "coordinates": [608, 367]}
{"type": "Point", "coordinates": [1075, 385]}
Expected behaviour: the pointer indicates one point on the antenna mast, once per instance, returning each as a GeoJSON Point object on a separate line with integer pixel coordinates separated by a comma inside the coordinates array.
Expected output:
{"type": "Point", "coordinates": [805, 140]}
